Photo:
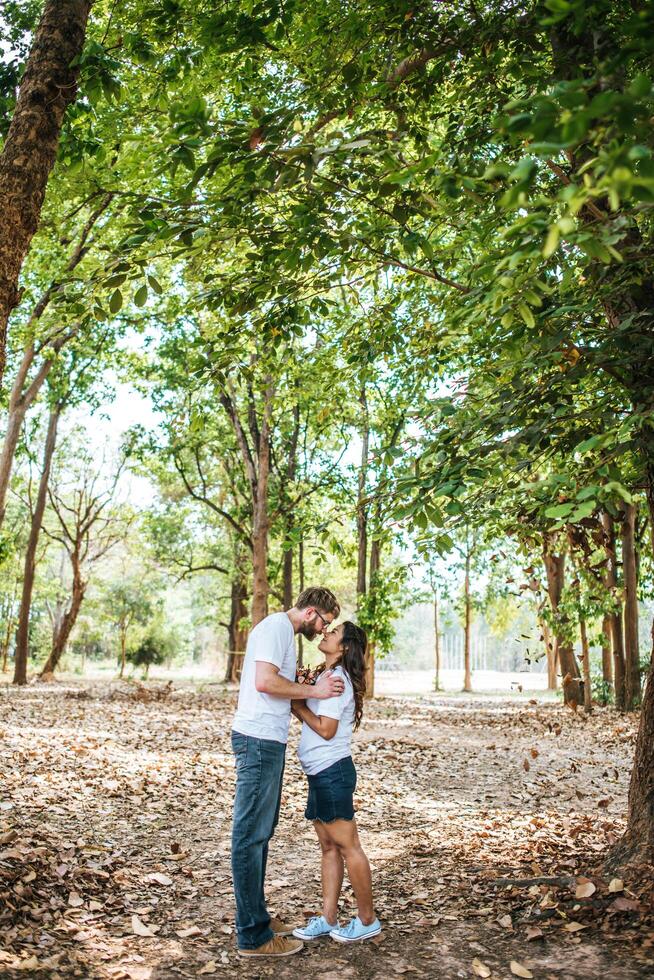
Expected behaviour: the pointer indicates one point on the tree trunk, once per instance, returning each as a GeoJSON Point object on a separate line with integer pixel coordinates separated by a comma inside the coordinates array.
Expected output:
{"type": "Point", "coordinates": [607, 662]}
{"type": "Point", "coordinates": [375, 563]}
{"type": "Point", "coordinates": [22, 633]}
{"type": "Point", "coordinates": [630, 571]}
{"type": "Point", "coordinates": [555, 569]}
{"type": "Point", "coordinates": [550, 653]}
{"type": "Point", "coordinates": [467, 672]}
{"type": "Point", "coordinates": [48, 86]}
{"type": "Point", "coordinates": [300, 556]}
{"type": "Point", "coordinates": [10, 625]}
{"type": "Point", "coordinates": [123, 648]}
{"type": "Point", "coordinates": [615, 618]}
{"type": "Point", "coordinates": [237, 634]}
{"type": "Point", "coordinates": [637, 844]}
{"type": "Point", "coordinates": [437, 646]}
{"type": "Point", "coordinates": [287, 578]}
{"type": "Point", "coordinates": [588, 696]}
{"type": "Point", "coordinates": [261, 521]}
{"type": "Point", "coordinates": [65, 626]}
{"type": "Point", "coordinates": [362, 508]}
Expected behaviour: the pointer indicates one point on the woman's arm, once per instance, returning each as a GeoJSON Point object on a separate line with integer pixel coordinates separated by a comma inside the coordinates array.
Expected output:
{"type": "Point", "coordinates": [325, 727]}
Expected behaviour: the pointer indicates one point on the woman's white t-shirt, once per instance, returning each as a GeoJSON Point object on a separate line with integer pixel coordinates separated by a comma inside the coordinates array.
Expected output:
{"type": "Point", "coordinates": [317, 753]}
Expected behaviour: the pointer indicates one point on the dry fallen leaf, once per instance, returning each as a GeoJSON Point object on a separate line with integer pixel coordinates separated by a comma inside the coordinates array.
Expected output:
{"type": "Point", "coordinates": [209, 967]}
{"type": "Point", "coordinates": [160, 878]}
{"type": "Point", "coordinates": [616, 885]}
{"type": "Point", "coordinates": [574, 926]}
{"type": "Point", "coordinates": [140, 929]}
{"type": "Point", "coordinates": [75, 900]}
{"type": "Point", "coordinates": [31, 963]}
{"type": "Point", "coordinates": [480, 969]}
{"type": "Point", "coordinates": [585, 890]}
{"type": "Point", "coordinates": [518, 970]}
{"type": "Point", "coordinates": [533, 932]}
{"type": "Point", "coordinates": [506, 921]}
{"type": "Point", "coordinates": [191, 931]}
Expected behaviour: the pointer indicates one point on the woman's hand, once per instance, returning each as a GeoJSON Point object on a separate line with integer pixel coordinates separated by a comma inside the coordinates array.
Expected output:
{"type": "Point", "coordinates": [296, 708]}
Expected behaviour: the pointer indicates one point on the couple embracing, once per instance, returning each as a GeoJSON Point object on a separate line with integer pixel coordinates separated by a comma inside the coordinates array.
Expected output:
{"type": "Point", "coordinates": [329, 709]}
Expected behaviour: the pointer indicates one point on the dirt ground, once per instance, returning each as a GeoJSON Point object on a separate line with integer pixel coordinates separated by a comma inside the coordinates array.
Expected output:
{"type": "Point", "coordinates": [115, 808]}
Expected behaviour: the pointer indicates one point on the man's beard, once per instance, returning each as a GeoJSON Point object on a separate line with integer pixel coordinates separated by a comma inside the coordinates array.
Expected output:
{"type": "Point", "coordinates": [308, 630]}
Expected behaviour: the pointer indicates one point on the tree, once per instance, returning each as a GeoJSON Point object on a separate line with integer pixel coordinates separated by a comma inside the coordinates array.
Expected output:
{"type": "Point", "coordinates": [48, 87]}
{"type": "Point", "coordinates": [22, 633]}
{"type": "Point", "coordinates": [87, 530]}
{"type": "Point", "coordinates": [127, 605]}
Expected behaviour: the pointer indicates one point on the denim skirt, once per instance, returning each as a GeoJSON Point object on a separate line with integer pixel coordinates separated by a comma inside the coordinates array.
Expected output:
{"type": "Point", "coordinates": [331, 791]}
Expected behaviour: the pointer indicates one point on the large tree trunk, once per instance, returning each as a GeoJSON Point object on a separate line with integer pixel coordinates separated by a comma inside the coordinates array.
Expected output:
{"type": "Point", "coordinates": [467, 671]}
{"type": "Point", "coordinates": [555, 569]}
{"type": "Point", "coordinates": [22, 634]}
{"type": "Point", "coordinates": [48, 87]}
{"type": "Point", "coordinates": [615, 618]}
{"type": "Point", "coordinates": [65, 626]}
{"type": "Point", "coordinates": [637, 844]}
{"type": "Point", "coordinates": [237, 634]}
{"type": "Point", "coordinates": [630, 571]}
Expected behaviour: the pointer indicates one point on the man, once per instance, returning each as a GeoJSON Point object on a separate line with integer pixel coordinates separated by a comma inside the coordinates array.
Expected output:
{"type": "Point", "coordinates": [259, 736]}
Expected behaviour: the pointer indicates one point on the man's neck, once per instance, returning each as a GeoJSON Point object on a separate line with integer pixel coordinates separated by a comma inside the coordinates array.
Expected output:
{"type": "Point", "coordinates": [295, 616]}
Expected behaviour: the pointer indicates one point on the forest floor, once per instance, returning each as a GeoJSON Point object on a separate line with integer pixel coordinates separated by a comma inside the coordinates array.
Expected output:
{"type": "Point", "coordinates": [115, 807]}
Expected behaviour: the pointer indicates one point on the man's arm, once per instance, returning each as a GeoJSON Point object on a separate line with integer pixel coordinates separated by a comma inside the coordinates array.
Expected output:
{"type": "Point", "coordinates": [325, 727]}
{"type": "Point", "coordinates": [267, 680]}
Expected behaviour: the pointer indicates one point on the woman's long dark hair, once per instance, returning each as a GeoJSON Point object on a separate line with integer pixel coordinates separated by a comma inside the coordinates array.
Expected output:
{"type": "Point", "coordinates": [353, 661]}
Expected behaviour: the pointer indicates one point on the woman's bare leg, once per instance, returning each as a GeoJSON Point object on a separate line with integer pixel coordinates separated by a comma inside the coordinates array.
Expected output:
{"type": "Point", "coordinates": [344, 834]}
{"type": "Point", "coordinates": [332, 870]}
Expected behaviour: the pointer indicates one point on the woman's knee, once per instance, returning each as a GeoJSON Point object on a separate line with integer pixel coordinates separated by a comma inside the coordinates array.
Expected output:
{"type": "Point", "coordinates": [328, 846]}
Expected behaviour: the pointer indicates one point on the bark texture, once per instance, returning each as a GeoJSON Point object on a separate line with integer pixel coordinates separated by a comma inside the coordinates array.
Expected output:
{"type": "Point", "coordinates": [637, 844]}
{"type": "Point", "coordinates": [630, 571]}
{"type": "Point", "coordinates": [555, 569]}
{"type": "Point", "coordinates": [237, 635]}
{"type": "Point", "coordinates": [22, 633]}
{"type": "Point", "coordinates": [615, 618]}
{"type": "Point", "coordinates": [48, 87]}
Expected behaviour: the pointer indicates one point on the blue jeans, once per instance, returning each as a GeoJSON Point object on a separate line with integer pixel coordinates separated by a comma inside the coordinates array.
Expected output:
{"type": "Point", "coordinates": [259, 772]}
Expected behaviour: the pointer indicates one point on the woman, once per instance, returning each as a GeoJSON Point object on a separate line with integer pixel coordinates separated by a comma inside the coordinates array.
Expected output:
{"type": "Point", "coordinates": [326, 757]}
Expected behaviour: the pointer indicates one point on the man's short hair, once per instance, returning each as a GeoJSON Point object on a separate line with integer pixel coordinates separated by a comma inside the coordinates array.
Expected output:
{"type": "Point", "coordinates": [323, 599]}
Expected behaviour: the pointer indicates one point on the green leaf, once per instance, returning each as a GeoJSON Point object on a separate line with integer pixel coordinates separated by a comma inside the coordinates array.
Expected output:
{"type": "Point", "coordinates": [551, 242]}
{"type": "Point", "coordinates": [141, 295]}
{"type": "Point", "coordinates": [156, 285]}
{"type": "Point", "coordinates": [526, 314]}
{"type": "Point", "coordinates": [559, 511]}
{"type": "Point", "coordinates": [116, 301]}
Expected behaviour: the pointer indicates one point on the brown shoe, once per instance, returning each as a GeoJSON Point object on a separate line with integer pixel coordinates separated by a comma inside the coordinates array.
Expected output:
{"type": "Point", "coordinates": [277, 946]}
{"type": "Point", "coordinates": [280, 928]}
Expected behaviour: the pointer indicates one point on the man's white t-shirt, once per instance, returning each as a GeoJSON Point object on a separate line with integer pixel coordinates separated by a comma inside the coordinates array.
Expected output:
{"type": "Point", "coordinates": [317, 753]}
{"type": "Point", "coordinates": [264, 715]}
